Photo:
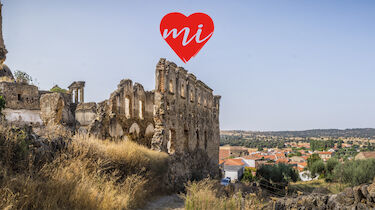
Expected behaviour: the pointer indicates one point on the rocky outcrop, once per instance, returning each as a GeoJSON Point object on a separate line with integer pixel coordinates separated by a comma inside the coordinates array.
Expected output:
{"type": "Point", "coordinates": [359, 197]}
{"type": "Point", "coordinates": [56, 110]}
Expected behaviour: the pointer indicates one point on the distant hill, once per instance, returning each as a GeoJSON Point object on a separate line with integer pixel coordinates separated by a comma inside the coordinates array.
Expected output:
{"type": "Point", "coordinates": [331, 133]}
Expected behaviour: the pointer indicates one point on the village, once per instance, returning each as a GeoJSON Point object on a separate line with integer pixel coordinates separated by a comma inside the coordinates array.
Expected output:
{"type": "Point", "coordinates": [235, 160]}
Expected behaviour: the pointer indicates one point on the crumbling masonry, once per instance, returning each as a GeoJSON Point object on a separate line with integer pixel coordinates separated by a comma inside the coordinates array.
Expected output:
{"type": "Point", "coordinates": [180, 117]}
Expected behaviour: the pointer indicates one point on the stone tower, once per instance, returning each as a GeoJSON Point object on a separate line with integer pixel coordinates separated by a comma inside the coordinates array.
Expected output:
{"type": "Point", "coordinates": [3, 51]}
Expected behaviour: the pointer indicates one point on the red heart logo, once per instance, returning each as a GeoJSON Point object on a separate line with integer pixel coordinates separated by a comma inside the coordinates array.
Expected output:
{"type": "Point", "coordinates": [186, 35]}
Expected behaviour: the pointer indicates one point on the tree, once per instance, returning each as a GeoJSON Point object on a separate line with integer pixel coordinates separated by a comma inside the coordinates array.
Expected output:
{"type": "Point", "coordinates": [312, 159]}
{"type": "Point", "coordinates": [317, 168]}
{"type": "Point", "coordinates": [2, 103]}
{"type": "Point", "coordinates": [355, 172]}
{"type": "Point", "coordinates": [57, 89]}
{"type": "Point", "coordinates": [339, 144]}
{"type": "Point", "coordinates": [330, 166]}
{"type": "Point", "coordinates": [22, 77]}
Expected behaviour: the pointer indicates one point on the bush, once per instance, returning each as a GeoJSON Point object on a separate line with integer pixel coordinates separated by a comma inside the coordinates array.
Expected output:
{"type": "Point", "coordinates": [318, 168]}
{"type": "Point", "coordinates": [276, 177]}
{"type": "Point", "coordinates": [355, 172]}
{"type": "Point", "coordinates": [312, 159]}
{"type": "Point", "coordinates": [247, 175]}
{"type": "Point", "coordinates": [2, 103]}
{"type": "Point", "coordinates": [57, 89]}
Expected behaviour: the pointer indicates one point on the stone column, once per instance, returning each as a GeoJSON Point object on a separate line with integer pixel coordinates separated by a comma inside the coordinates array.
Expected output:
{"type": "Point", "coordinates": [3, 51]}
{"type": "Point", "coordinates": [81, 95]}
{"type": "Point", "coordinates": [76, 95]}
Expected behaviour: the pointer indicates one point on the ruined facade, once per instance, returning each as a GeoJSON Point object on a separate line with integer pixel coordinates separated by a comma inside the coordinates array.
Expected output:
{"type": "Point", "coordinates": [180, 117]}
{"type": "Point", "coordinates": [186, 112]}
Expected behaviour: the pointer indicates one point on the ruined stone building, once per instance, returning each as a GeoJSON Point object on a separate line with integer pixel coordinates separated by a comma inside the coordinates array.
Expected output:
{"type": "Point", "coordinates": [179, 117]}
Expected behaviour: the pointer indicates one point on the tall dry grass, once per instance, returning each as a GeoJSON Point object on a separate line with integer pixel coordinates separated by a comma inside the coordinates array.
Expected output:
{"type": "Point", "coordinates": [205, 195]}
{"type": "Point", "coordinates": [89, 174]}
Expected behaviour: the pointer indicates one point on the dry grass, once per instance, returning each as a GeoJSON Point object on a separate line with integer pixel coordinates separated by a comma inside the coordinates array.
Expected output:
{"type": "Point", "coordinates": [90, 174]}
{"type": "Point", "coordinates": [204, 195]}
{"type": "Point", "coordinates": [318, 185]}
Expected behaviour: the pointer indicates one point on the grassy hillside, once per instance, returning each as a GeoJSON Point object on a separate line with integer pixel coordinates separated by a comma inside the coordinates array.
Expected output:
{"type": "Point", "coordinates": [83, 172]}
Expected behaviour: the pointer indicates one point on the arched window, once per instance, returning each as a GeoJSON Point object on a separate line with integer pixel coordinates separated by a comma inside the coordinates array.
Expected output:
{"type": "Point", "coordinates": [118, 104]}
{"type": "Point", "coordinates": [141, 109]}
{"type": "Point", "coordinates": [171, 86]}
{"type": "Point", "coordinates": [186, 139]}
{"type": "Point", "coordinates": [191, 95]}
{"type": "Point", "coordinates": [183, 90]}
{"type": "Point", "coordinates": [127, 107]}
{"type": "Point", "coordinates": [171, 139]}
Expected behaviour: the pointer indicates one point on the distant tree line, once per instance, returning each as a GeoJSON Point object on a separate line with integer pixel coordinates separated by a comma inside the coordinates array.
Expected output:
{"type": "Point", "coordinates": [251, 143]}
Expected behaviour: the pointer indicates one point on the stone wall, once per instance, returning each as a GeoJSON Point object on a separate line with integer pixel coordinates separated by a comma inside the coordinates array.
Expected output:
{"type": "Point", "coordinates": [127, 114]}
{"type": "Point", "coordinates": [20, 96]}
{"type": "Point", "coordinates": [359, 197]}
{"type": "Point", "coordinates": [186, 112]}
{"type": "Point", "coordinates": [56, 109]}
{"type": "Point", "coordinates": [22, 116]}
{"type": "Point", "coordinates": [85, 113]}
{"type": "Point", "coordinates": [186, 123]}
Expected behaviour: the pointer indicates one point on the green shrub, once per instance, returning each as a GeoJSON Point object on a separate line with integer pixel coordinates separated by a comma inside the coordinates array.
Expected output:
{"type": "Point", "coordinates": [355, 172]}
{"type": "Point", "coordinates": [57, 89]}
{"type": "Point", "coordinates": [318, 168]}
{"type": "Point", "coordinates": [278, 173]}
{"type": "Point", "coordinates": [247, 175]}
{"type": "Point", "coordinates": [2, 103]}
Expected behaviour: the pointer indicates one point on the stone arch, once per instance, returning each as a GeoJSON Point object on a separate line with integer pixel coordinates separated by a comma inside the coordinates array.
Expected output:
{"type": "Point", "coordinates": [149, 130]}
{"type": "Point", "coordinates": [134, 130]}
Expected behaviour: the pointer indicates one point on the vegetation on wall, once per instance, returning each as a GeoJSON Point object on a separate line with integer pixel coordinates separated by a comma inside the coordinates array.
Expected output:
{"type": "Point", "coordinates": [57, 89]}
{"type": "Point", "coordinates": [2, 103]}
{"type": "Point", "coordinates": [22, 77]}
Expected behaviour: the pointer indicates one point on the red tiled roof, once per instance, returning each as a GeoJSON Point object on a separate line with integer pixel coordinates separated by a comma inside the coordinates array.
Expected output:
{"type": "Point", "coordinates": [305, 157]}
{"type": "Point", "coordinates": [325, 153]}
{"type": "Point", "coordinates": [282, 160]}
{"type": "Point", "coordinates": [224, 153]}
{"type": "Point", "coordinates": [253, 156]}
{"type": "Point", "coordinates": [280, 154]}
{"type": "Point", "coordinates": [303, 164]}
{"type": "Point", "coordinates": [233, 162]}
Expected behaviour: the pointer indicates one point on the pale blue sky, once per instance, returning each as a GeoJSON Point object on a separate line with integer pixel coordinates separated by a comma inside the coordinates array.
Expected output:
{"type": "Point", "coordinates": [279, 65]}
